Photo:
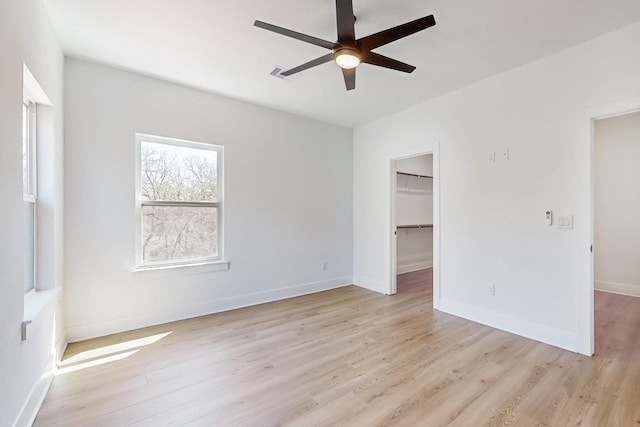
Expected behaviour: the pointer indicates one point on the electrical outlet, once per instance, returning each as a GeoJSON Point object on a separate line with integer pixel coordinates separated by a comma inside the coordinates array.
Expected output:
{"type": "Point", "coordinates": [325, 266]}
{"type": "Point", "coordinates": [491, 290]}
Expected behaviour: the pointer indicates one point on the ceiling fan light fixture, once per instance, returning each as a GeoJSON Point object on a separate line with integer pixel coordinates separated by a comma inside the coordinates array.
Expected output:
{"type": "Point", "coordinates": [348, 51]}
{"type": "Point", "coordinates": [347, 58]}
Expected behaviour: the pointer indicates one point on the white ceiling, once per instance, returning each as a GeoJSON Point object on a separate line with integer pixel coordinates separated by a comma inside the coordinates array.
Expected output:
{"type": "Point", "coordinates": [213, 45]}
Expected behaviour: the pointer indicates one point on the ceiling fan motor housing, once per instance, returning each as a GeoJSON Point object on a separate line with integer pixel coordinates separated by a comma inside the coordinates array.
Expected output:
{"type": "Point", "coordinates": [347, 57]}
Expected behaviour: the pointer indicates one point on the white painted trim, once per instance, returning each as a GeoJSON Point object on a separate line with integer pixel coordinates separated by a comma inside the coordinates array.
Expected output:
{"type": "Point", "coordinates": [83, 332]}
{"type": "Point", "coordinates": [416, 266]}
{"type": "Point", "coordinates": [206, 266]}
{"type": "Point", "coordinates": [61, 347]}
{"type": "Point", "coordinates": [585, 309]}
{"type": "Point", "coordinates": [434, 150]}
{"type": "Point", "coordinates": [618, 288]}
{"type": "Point", "coordinates": [534, 331]}
{"type": "Point", "coordinates": [393, 279]}
{"type": "Point", "coordinates": [218, 204]}
{"type": "Point", "coordinates": [436, 227]}
{"type": "Point", "coordinates": [31, 89]}
{"type": "Point", "coordinates": [371, 284]}
{"type": "Point", "coordinates": [35, 303]}
{"type": "Point", "coordinates": [29, 410]}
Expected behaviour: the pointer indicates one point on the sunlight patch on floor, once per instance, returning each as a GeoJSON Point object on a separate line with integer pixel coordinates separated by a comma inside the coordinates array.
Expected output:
{"type": "Point", "coordinates": [106, 354]}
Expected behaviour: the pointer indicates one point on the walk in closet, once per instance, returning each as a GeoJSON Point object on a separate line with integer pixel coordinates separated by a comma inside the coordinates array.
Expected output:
{"type": "Point", "coordinates": [414, 214]}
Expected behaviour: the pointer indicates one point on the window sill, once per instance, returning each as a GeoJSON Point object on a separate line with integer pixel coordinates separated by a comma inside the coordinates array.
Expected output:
{"type": "Point", "coordinates": [36, 303]}
{"type": "Point", "coordinates": [199, 267]}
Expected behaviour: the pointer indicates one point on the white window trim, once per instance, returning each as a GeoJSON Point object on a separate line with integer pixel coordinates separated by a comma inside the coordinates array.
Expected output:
{"type": "Point", "coordinates": [31, 195]}
{"type": "Point", "coordinates": [37, 300]}
{"type": "Point", "coordinates": [217, 263]}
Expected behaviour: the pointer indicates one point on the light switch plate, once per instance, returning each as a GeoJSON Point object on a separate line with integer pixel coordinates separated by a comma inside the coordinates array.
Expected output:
{"type": "Point", "coordinates": [491, 157]}
{"type": "Point", "coordinates": [564, 221]}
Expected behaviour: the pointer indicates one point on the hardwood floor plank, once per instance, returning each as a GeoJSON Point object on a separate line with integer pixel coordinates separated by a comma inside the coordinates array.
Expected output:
{"type": "Point", "coordinates": [349, 357]}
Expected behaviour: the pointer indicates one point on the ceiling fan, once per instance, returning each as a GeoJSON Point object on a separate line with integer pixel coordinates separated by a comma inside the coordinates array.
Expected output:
{"type": "Point", "coordinates": [349, 52]}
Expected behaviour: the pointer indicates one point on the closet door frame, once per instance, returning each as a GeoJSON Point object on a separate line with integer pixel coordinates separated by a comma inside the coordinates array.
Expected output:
{"type": "Point", "coordinates": [434, 150]}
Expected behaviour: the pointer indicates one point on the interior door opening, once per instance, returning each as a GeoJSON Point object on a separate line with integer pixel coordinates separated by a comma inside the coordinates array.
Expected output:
{"type": "Point", "coordinates": [616, 206]}
{"type": "Point", "coordinates": [414, 224]}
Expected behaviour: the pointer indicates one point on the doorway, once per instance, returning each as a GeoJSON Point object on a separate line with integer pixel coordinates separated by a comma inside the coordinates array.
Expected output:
{"type": "Point", "coordinates": [585, 339]}
{"type": "Point", "coordinates": [616, 230]}
{"type": "Point", "coordinates": [414, 224]}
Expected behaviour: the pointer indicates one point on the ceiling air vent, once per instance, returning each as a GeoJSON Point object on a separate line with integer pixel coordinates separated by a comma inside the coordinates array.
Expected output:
{"type": "Point", "coordinates": [277, 72]}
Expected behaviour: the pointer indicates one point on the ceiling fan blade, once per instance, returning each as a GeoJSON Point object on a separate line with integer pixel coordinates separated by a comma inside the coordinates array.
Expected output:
{"type": "Point", "coordinates": [324, 58]}
{"type": "Point", "coordinates": [349, 78]}
{"type": "Point", "coordinates": [384, 61]}
{"type": "Point", "coordinates": [392, 34]}
{"type": "Point", "coordinates": [346, 22]}
{"type": "Point", "coordinates": [294, 34]}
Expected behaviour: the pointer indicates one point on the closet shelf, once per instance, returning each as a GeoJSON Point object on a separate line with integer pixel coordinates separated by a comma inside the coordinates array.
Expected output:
{"type": "Point", "coordinates": [413, 174]}
{"type": "Point", "coordinates": [414, 226]}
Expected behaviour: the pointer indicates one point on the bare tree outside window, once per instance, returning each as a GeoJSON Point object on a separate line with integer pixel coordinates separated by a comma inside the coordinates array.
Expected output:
{"type": "Point", "coordinates": [179, 199]}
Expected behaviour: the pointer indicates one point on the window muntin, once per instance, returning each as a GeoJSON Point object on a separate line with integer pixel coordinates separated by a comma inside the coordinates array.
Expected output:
{"type": "Point", "coordinates": [29, 194]}
{"type": "Point", "coordinates": [179, 201]}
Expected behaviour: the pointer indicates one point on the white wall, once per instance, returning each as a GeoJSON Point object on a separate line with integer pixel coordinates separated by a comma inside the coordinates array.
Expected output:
{"type": "Point", "coordinates": [492, 215]}
{"type": "Point", "coordinates": [414, 205]}
{"type": "Point", "coordinates": [288, 202]}
{"type": "Point", "coordinates": [26, 36]}
{"type": "Point", "coordinates": [617, 204]}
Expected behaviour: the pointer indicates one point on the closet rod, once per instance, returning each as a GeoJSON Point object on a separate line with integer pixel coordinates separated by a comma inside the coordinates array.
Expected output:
{"type": "Point", "coordinates": [413, 174]}
{"type": "Point", "coordinates": [415, 226]}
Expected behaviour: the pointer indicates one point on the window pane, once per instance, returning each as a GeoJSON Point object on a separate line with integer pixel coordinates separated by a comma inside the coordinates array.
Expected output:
{"type": "Point", "coordinates": [25, 150]}
{"type": "Point", "coordinates": [29, 246]}
{"type": "Point", "coordinates": [175, 173]}
{"type": "Point", "coordinates": [172, 233]}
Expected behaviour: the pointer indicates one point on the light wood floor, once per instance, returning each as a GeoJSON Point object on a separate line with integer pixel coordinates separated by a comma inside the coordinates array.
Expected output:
{"type": "Point", "coordinates": [349, 357]}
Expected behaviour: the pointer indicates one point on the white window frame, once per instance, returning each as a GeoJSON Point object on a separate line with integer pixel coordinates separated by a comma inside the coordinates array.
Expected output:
{"type": "Point", "coordinates": [29, 193]}
{"type": "Point", "coordinates": [139, 203]}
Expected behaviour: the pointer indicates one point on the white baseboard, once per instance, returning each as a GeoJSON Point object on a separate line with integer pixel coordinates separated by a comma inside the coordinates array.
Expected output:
{"type": "Point", "coordinates": [32, 405]}
{"type": "Point", "coordinates": [408, 268]}
{"type": "Point", "coordinates": [61, 347]}
{"type": "Point", "coordinates": [372, 285]}
{"type": "Point", "coordinates": [40, 310]}
{"type": "Point", "coordinates": [544, 334]}
{"type": "Point", "coordinates": [617, 288]}
{"type": "Point", "coordinates": [98, 329]}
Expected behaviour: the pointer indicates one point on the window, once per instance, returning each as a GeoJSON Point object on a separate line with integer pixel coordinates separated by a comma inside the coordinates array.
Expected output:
{"type": "Point", "coordinates": [29, 193]}
{"type": "Point", "coordinates": [179, 201]}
